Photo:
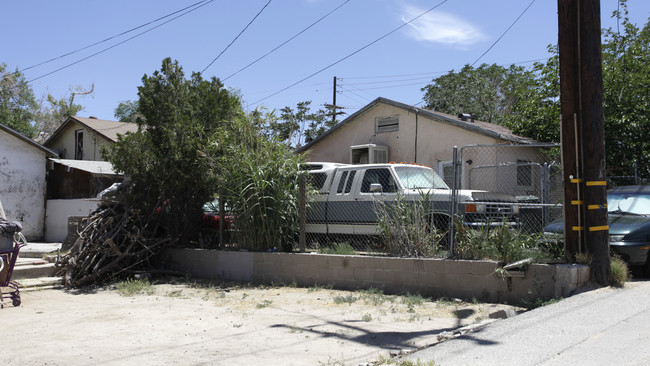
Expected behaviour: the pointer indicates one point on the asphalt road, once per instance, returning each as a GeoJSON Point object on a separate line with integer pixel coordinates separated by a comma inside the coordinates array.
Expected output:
{"type": "Point", "coordinates": [607, 326]}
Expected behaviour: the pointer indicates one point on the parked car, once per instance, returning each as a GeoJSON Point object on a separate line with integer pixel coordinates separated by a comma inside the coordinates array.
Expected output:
{"type": "Point", "coordinates": [628, 210]}
{"type": "Point", "coordinates": [210, 220]}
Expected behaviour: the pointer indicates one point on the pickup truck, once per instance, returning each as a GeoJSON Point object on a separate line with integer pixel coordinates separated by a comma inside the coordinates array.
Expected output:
{"type": "Point", "coordinates": [345, 198]}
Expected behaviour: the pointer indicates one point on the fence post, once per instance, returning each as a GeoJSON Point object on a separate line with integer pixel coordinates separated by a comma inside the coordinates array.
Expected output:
{"type": "Point", "coordinates": [546, 193]}
{"type": "Point", "coordinates": [302, 212]}
{"type": "Point", "coordinates": [222, 217]}
{"type": "Point", "coordinates": [452, 208]}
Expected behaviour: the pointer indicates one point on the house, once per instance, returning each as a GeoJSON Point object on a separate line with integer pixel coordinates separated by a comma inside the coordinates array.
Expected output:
{"type": "Point", "coordinates": [79, 172]}
{"type": "Point", "coordinates": [386, 130]}
{"type": "Point", "coordinates": [80, 138]}
{"type": "Point", "coordinates": [23, 171]}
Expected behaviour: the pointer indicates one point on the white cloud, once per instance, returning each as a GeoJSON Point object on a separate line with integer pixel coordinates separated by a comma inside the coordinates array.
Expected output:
{"type": "Point", "coordinates": [440, 27]}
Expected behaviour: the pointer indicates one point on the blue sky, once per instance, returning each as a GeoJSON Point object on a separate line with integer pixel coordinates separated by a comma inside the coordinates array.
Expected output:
{"type": "Point", "coordinates": [361, 43]}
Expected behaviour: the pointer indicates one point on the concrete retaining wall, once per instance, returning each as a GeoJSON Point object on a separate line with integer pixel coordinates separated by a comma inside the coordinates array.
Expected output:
{"type": "Point", "coordinates": [428, 277]}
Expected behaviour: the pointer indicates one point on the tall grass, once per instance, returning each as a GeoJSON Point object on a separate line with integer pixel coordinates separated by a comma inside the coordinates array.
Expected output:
{"type": "Point", "coordinates": [260, 185]}
{"type": "Point", "coordinates": [406, 226]}
{"type": "Point", "coordinates": [500, 243]}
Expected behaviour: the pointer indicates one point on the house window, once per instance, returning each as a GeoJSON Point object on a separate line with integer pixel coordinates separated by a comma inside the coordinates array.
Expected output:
{"type": "Point", "coordinates": [524, 173]}
{"type": "Point", "coordinates": [386, 124]}
{"type": "Point", "coordinates": [79, 144]}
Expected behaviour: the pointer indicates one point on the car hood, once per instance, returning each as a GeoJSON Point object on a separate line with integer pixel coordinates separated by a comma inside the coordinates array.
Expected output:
{"type": "Point", "coordinates": [625, 224]}
{"type": "Point", "coordinates": [618, 224]}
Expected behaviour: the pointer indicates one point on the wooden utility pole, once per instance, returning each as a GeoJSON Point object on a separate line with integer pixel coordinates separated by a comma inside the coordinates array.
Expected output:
{"type": "Point", "coordinates": [582, 131]}
{"type": "Point", "coordinates": [334, 103]}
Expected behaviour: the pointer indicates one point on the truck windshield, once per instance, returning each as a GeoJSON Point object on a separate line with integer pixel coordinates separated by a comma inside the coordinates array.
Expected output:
{"type": "Point", "coordinates": [419, 177]}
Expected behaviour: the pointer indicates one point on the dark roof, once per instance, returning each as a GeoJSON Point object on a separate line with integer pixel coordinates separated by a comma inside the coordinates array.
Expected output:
{"type": "Point", "coordinates": [109, 129]}
{"type": "Point", "coordinates": [485, 128]}
{"type": "Point", "coordinates": [35, 144]}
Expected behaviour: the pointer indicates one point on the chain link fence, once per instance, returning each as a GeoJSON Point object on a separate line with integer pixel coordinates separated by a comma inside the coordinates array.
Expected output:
{"type": "Point", "coordinates": [390, 208]}
{"type": "Point", "coordinates": [409, 210]}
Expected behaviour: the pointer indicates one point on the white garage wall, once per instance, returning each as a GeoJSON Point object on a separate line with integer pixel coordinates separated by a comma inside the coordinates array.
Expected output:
{"type": "Point", "coordinates": [58, 211]}
{"type": "Point", "coordinates": [22, 184]}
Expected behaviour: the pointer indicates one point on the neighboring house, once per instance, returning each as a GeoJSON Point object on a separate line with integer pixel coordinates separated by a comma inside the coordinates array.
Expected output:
{"type": "Point", "coordinates": [80, 138]}
{"type": "Point", "coordinates": [385, 131]}
{"type": "Point", "coordinates": [23, 168]}
{"type": "Point", "coordinates": [80, 173]}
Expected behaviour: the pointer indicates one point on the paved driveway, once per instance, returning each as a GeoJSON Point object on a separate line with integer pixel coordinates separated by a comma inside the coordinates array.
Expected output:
{"type": "Point", "coordinates": [607, 326]}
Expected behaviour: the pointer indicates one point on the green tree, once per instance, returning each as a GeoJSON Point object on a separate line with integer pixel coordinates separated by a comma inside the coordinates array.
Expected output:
{"type": "Point", "coordinates": [626, 97]}
{"type": "Point", "coordinates": [485, 92]}
{"type": "Point", "coordinates": [50, 117]}
{"type": "Point", "coordinates": [127, 111]}
{"type": "Point", "coordinates": [295, 127]}
{"type": "Point", "coordinates": [185, 124]}
{"type": "Point", "coordinates": [18, 106]}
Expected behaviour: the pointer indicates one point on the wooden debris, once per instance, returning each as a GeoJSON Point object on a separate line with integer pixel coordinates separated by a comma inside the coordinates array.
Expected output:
{"type": "Point", "coordinates": [115, 239]}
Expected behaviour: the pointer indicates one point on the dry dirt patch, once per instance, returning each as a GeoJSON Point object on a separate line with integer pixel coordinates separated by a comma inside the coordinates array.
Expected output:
{"type": "Point", "coordinates": [192, 323]}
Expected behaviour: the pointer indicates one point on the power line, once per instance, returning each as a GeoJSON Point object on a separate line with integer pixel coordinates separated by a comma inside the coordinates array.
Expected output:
{"type": "Point", "coordinates": [110, 38]}
{"type": "Point", "coordinates": [118, 44]}
{"type": "Point", "coordinates": [504, 33]}
{"type": "Point", "coordinates": [353, 53]}
{"type": "Point", "coordinates": [287, 41]}
{"type": "Point", "coordinates": [240, 33]}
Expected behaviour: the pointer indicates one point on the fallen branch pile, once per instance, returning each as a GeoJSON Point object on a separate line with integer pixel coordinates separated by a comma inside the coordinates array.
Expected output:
{"type": "Point", "coordinates": [114, 240]}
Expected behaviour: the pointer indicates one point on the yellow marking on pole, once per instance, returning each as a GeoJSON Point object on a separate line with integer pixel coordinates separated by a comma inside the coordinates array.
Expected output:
{"type": "Point", "coordinates": [596, 183]}
{"type": "Point", "coordinates": [576, 180]}
{"type": "Point", "coordinates": [578, 228]}
{"type": "Point", "coordinates": [599, 228]}
{"type": "Point", "coordinates": [577, 203]}
{"type": "Point", "coordinates": [597, 207]}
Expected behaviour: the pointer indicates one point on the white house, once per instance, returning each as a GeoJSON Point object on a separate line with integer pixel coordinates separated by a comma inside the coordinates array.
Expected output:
{"type": "Point", "coordinates": [23, 167]}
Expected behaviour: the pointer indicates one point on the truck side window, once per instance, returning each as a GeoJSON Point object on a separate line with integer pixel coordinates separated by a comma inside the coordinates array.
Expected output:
{"type": "Point", "coordinates": [348, 186]}
{"type": "Point", "coordinates": [342, 182]}
{"type": "Point", "coordinates": [381, 176]}
{"type": "Point", "coordinates": [317, 180]}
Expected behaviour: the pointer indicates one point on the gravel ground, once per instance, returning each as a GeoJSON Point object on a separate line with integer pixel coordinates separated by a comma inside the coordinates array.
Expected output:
{"type": "Point", "coordinates": [207, 323]}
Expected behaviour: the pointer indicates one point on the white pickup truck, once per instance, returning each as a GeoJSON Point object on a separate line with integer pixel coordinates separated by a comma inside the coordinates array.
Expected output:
{"type": "Point", "coordinates": [347, 194]}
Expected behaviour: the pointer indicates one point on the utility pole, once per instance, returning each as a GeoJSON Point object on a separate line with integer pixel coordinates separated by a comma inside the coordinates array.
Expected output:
{"type": "Point", "coordinates": [334, 103]}
{"type": "Point", "coordinates": [582, 135]}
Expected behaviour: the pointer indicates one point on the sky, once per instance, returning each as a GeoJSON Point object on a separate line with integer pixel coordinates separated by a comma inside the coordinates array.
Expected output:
{"type": "Point", "coordinates": [274, 53]}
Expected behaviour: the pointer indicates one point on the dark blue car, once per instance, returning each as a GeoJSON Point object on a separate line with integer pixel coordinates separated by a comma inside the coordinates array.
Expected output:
{"type": "Point", "coordinates": [628, 210]}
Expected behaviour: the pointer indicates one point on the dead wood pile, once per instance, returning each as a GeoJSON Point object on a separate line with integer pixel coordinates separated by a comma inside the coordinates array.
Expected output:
{"type": "Point", "coordinates": [114, 240]}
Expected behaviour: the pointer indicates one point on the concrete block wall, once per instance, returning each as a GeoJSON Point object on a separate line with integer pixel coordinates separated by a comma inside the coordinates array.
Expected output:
{"type": "Point", "coordinates": [430, 277]}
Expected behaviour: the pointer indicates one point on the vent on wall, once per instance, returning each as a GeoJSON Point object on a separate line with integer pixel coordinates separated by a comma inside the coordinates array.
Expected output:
{"type": "Point", "coordinates": [386, 124]}
{"type": "Point", "coordinates": [368, 154]}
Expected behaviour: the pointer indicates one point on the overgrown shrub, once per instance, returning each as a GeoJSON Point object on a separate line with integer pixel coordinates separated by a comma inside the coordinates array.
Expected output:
{"type": "Point", "coordinates": [406, 226]}
{"type": "Point", "coordinates": [260, 184]}
{"type": "Point", "coordinates": [500, 243]}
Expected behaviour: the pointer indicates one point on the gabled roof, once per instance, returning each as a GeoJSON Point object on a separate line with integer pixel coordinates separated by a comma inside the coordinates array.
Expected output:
{"type": "Point", "coordinates": [108, 129]}
{"type": "Point", "coordinates": [48, 152]}
{"type": "Point", "coordinates": [484, 128]}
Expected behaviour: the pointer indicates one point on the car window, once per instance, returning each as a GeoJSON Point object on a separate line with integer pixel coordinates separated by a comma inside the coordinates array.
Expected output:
{"type": "Point", "coordinates": [419, 177]}
{"type": "Point", "coordinates": [317, 180]}
{"type": "Point", "coordinates": [632, 203]}
{"type": "Point", "coordinates": [381, 176]}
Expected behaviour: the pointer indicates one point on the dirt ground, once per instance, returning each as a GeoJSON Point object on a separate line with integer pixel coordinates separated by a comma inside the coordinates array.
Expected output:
{"type": "Point", "coordinates": [191, 323]}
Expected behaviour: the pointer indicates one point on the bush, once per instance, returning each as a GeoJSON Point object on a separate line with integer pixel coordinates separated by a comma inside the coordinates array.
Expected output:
{"type": "Point", "coordinates": [501, 243]}
{"type": "Point", "coordinates": [406, 227]}
{"type": "Point", "coordinates": [620, 272]}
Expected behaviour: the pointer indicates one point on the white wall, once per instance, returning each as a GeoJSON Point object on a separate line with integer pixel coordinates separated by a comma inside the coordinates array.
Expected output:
{"type": "Point", "coordinates": [58, 211]}
{"type": "Point", "coordinates": [22, 184]}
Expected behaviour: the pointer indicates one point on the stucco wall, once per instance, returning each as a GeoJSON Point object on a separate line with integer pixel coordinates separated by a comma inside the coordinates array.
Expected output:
{"type": "Point", "coordinates": [92, 143]}
{"type": "Point", "coordinates": [22, 184]}
{"type": "Point", "coordinates": [427, 277]}
{"type": "Point", "coordinates": [434, 141]}
{"type": "Point", "coordinates": [58, 212]}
